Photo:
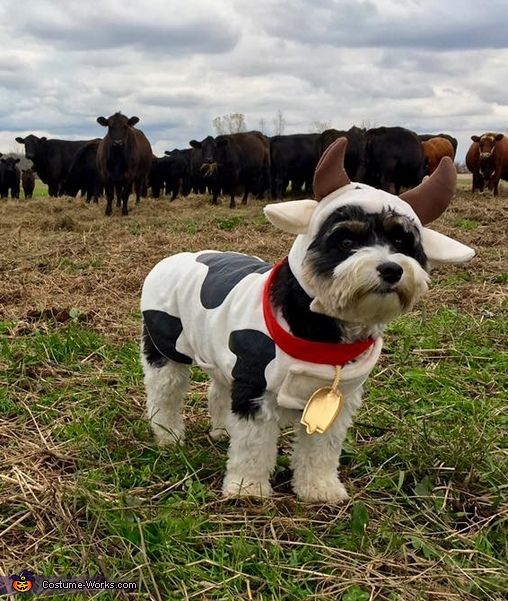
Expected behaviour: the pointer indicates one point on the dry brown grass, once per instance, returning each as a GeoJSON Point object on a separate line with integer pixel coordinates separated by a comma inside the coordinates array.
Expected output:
{"type": "Point", "coordinates": [62, 254]}
{"type": "Point", "coordinates": [59, 254]}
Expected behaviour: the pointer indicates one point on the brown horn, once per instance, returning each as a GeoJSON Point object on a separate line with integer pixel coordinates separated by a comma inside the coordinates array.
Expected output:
{"type": "Point", "coordinates": [330, 174]}
{"type": "Point", "coordinates": [431, 198]}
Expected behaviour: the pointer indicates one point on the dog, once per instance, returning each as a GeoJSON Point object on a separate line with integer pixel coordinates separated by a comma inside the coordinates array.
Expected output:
{"type": "Point", "coordinates": [270, 336]}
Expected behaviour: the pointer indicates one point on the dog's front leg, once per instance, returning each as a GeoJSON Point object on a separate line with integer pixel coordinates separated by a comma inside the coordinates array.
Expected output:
{"type": "Point", "coordinates": [219, 405]}
{"type": "Point", "coordinates": [252, 455]}
{"type": "Point", "coordinates": [315, 461]}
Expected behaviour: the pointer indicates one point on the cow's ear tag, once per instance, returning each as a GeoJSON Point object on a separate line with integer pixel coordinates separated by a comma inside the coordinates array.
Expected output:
{"type": "Point", "coordinates": [323, 407]}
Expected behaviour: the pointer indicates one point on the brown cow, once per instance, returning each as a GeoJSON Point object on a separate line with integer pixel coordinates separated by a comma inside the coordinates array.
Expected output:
{"type": "Point", "coordinates": [451, 139]}
{"type": "Point", "coordinates": [473, 164]}
{"type": "Point", "coordinates": [434, 150]}
{"type": "Point", "coordinates": [487, 159]}
{"type": "Point", "coordinates": [124, 158]}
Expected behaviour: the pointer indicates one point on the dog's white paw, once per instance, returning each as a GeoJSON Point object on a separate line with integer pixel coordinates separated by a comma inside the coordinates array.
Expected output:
{"type": "Point", "coordinates": [330, 491]}
{"type": "Point", "coordinates": [167, 437]}
{"type": "Point", "coordinates": [238, 486]}
{"type": "Point", "coordinates": [218, 433]}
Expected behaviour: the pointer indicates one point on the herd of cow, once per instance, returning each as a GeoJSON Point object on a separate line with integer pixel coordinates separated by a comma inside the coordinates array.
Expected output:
{"type": "Point", "coordinates": [389, 158]}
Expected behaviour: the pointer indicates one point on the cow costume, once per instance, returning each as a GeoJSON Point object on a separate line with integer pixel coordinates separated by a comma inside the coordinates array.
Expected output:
{"type": "Point", "coordinates": [269, 337]}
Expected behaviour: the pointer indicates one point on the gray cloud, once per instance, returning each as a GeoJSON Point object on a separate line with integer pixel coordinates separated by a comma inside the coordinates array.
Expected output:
{"type": "Point", "coordinates": [76, 26]}
{"type": "Point", "coordinates": [396, 24]}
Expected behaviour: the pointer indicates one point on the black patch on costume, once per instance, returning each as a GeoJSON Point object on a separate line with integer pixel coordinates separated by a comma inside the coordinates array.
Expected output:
{"type": "Point", "coordinates": [294, 303]}
{"type": "Point", "coordinates": [336, 242]}
{"type": "Point", "coordinates": [153, 356]}
{"type": "Point", "coordinates": [254, 351]}
{"type": "Point", "coordinates": [225, 271]}
{"type": "Point", "coordinates": [160, 333]}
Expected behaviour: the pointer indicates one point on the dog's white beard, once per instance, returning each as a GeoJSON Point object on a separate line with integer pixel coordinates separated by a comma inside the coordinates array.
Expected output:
{"type": "Point", "coordinates": [354, 293]}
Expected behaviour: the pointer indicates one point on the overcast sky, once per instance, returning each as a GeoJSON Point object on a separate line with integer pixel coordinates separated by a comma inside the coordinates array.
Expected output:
{"type": "Point", "coordinates": [428, 65]}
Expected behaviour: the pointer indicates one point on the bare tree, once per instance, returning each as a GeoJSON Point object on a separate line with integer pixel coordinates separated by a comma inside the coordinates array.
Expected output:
{"type": "Point", "coordinates": [262, 126]}
{"type": "Point", "coordinates": [368, 124]}
{"type": "Point", "coordinates": [218, 125]}
{"type": "Point", "coordinates": [279, 124]}
{"type": "Point", "coordinates": [318, 127]}
{"type": "Point", "coordinates": [230, 124]}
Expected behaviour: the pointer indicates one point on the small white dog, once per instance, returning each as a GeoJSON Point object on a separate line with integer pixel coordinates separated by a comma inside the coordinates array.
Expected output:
{"type": "Point", "coordinates": [270, 336]}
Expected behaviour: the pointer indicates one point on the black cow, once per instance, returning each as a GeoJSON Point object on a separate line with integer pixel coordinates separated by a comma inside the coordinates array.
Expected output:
{"type": "Point", "coordinates": [235, 160]}
{"type": "Point", "coordinates": [427, 137]}
{"type": "Point", "coordinates": [156, 177]}
{"type": "Point", "coordinates": [9, 177]}
{"type": "Point", "coordinates": [198, 180]}
{"type": "Point", "coordinates": [293, 159]}
{"type": "Point", "coordinates": [179, 171]}
{"type": "Point", "coordinates": [28, 182]}
{"type": "Point", "coordinates": [51, 159]}
{"type": "Point", "coordinates": [124, 159]}
{"type": "Point", "coordinates": [171, 173]}
{"type": "Point", "coordinates": [83, 175]}
{"type": "Point", "coordinates": [204, 175]}
{"type": "Point", "coordinates": [355, 147]}
{"type": "Point", "coordinates": [393, 159]}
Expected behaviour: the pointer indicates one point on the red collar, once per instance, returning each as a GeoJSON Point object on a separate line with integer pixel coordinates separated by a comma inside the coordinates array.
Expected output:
{"type": "Point", "coordinates": [306, 350]}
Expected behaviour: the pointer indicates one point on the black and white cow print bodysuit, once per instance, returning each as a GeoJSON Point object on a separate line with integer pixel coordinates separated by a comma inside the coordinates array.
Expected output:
{"type": "Point", "coordinates": [205, 308]}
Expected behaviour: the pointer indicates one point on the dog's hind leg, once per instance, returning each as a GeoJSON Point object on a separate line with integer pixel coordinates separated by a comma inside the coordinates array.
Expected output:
{"type": "Point", "coordinates": [165, 387]}
{"type": "Point", "coordinates": [315, 461]}
{"type": "Point", "coordinates": [251, 457]}
{"type": "Point", "coordinates": [219, 405]}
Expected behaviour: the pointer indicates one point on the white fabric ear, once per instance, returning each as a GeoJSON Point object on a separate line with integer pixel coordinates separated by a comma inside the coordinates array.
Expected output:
{"type": "Point", "coordinates": [442, 249]}
{"type": "Point", "coordinates": [293, 216]}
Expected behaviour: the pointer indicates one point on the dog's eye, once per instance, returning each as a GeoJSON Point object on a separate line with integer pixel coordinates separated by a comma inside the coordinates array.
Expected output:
{"type": "Point", "coordinates": [346, 243]}
{"type": "Point", "coordinates": [402, 240]}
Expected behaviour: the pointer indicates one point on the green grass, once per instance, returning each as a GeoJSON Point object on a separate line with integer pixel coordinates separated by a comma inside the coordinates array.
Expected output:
{"type": "Point", "coordinates": [40, 190]}
{"type": "Point", "coordinates": [467, 224]}
{"type": "Point", "coordinates": [425, 464]}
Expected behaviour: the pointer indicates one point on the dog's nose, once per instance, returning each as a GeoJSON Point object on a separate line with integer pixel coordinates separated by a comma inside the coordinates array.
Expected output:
{"type": "Point", "coordinates": [390, 272]}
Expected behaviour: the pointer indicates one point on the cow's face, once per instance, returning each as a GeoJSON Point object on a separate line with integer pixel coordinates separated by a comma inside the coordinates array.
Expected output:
{"type": "Point", "coordinates": [118, 127]}
{"type": "Point", "coordinates": [10, 164]}
{"type": "Point", "coordinates": [208, 149]}
{"type": "Point", "coordinates": [33, 145]}
{"type": "Point", "coordinates": [175, 153]}
{"type": "Point", "coordinates": [487, 144]}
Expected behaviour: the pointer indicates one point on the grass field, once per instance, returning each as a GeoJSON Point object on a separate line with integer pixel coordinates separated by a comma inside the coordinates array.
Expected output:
{"type": "Point", "coordinates": [84, 489]}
